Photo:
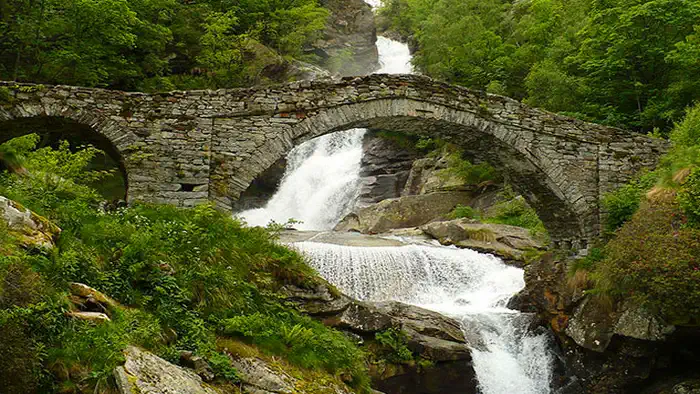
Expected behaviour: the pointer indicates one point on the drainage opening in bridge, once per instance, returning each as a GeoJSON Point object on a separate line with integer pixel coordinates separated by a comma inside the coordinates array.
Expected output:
{"type": "Point", "coordinates": [25, 143]}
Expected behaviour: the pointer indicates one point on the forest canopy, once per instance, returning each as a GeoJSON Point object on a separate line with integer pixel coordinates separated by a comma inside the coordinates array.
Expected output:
{"type": "Point", "coordinates": [150, 44]}
{"type": "Point", "coordinates": [626, 63]}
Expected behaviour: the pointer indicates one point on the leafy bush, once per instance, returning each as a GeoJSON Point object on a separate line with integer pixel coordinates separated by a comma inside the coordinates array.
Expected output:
{"type": "Point", "coordinates": [394, 347]}
{"type": "Point", "coordinates": [516, 212]}
{"type": "Point", "coordinates": [471, 174]}
{"type": "Point", "coordinates": [689, 196]}
{"type": "Point", "coordinates": [655, 261]}
{"type": "Point", "coordinates": [464, 211]}
{"type": "Point", "coordinates": [302, 341]}
{"type": "Point", "coordinates": [184, 274]}
{"type": "Point", "coordinates": [624, 202]}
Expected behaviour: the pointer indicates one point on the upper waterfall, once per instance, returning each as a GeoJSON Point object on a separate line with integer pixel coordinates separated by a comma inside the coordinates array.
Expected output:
{"type": "Point", "coordinates": [321, 182]}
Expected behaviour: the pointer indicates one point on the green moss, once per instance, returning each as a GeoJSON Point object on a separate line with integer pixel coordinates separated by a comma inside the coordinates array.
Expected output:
{"type": "Point", "coordinates": [6, 95]}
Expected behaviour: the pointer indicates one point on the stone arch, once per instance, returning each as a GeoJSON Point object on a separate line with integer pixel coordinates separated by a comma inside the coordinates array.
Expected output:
{"type": "Point", "coordinates": [557, 197]}
{"type": "Point", "coordinates": [75, 126]}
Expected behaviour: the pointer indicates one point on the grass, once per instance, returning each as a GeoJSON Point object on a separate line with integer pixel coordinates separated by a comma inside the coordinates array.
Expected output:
{"type": "Point", "coordinates": [183, 278]}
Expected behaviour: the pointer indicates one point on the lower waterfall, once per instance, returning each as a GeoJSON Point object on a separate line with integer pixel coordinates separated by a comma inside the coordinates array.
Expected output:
{"type": "Point", "coordinates": [466, 285]}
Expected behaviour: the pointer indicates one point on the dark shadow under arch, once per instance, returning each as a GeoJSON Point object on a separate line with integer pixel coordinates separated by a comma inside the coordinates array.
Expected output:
{"type": "Point", "coordinates": [53, 129]}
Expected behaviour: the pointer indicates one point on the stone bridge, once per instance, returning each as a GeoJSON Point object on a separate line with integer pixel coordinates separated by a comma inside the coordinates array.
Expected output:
{"type": "Point", "coordinates": [185, 148]}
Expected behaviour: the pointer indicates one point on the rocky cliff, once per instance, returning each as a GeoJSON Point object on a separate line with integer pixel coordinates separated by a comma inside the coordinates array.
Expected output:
{"type": "Point", "coordinates": [348, 45]}
{"type": "Point", "coordinates": [608, 347]}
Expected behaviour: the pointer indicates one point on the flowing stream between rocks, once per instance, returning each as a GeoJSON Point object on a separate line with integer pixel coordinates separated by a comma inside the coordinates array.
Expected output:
{"type": "Point", "coordinates": [321, 185]}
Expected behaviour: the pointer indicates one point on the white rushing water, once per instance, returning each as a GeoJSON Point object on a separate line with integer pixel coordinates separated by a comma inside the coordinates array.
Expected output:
{"type": "Point", "coordinates": [471, 287]}
{"type": "Point", "coordinates": [320, 185]}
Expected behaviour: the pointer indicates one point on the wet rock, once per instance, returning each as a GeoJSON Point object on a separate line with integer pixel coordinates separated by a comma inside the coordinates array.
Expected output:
{"type": "Point", "coordinates": [143, 372]}
{"type": "Point", "coordinates": [338, 238]}
{"type": "Point", "coordinates": [689, 387]}
{"type": "Point", "coordinates": [432, 336]}
{"type": "Point", "coordinates": [258, 377]}
{"type": "Point", "coordinates": [591, 326]}
{"type": "Point", "coordinates": [385, 167]}
{"type": "Point", "coordinates": [402, 212]}
{"type": "Point", "coordinates": [607, 348]}
{"type": "Point", "coordinates": [198, 364]}
{"type": "Point", "coordinates": [636, 322]}
{"type": "Point", "coordinates": [429, 175]}
{"type": "Point", "coordinates": [30, 229]}
{"type": "Point", "coordinates": [500, 239]}
{"type": "Point", "coordinates": [317, 301]}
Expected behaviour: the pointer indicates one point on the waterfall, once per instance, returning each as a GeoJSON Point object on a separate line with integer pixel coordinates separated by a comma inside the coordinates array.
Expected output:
{"type": "Point", "coordinates": [464, 284]}
{"type": "Point", "coordinates": [321, 185]}
{"type": "Point", "coordinates": [321, 182]}
{"type": "Point", "coordinates": [394, 57]}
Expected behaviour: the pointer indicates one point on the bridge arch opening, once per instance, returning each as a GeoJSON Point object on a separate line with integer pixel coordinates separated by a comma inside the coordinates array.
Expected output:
{"type": "Point", "coordinates": [569, 221]}
{"type": "Point", "coordinates": [52, 130]}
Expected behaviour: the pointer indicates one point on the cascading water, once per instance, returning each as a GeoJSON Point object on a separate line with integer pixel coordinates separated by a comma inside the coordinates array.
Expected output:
{"type": "Point", "coordinates": [321, 186]}
{"type": "Point", "coordinates": [466, 285]}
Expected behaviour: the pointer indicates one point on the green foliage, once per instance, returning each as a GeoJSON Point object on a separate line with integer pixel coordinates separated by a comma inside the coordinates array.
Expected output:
{"type": "Point", "coordinates": [5, 95]}
{"type": "Point", "coordinates": [464, 211]}
{"type": "Point", "coordinates": [393, 342]}
{"type": "Point", "coordinates": [515, 211]}
{"type": "Point", "coordinates": [624, 202]}
{"type": "Point", "coordinates": [629, 63]}
{"type": "Point", "coordinates": [685, 153]}
{"type": "Point", "coordinates": [425, 144]}
{"type": "Point", "coordinates": [149, 44]}
{"type": "Point", "coordinates": [653, 260]}
{"type": "Point", "coordinates": [689, 197]}
{"type": "Point", "coordinates": [588, 263]}
{"type": "Point", "coordinates": [471, 174]}
{"type": "Point", "coordinates": [52, 189]}
{"type": "Point", "coordinates": [184, 276]}
{"type": "Point", "coordinates": [302, 341]}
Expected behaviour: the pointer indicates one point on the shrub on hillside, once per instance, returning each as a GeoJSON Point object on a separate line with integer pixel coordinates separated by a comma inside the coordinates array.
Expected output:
{"type": "Point", "coordinates": [621, 204]}
{"type": "Point", "coordinates": [655, 261]}
{"type": "Point", "coordinates": [689, 197]}
{"type": "Point", "coordinates": [180, 272]}
{"type": "Point", "coordinates": [515, 211]}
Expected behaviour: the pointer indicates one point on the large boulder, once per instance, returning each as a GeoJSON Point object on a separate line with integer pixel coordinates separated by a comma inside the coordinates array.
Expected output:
{"type": "Point", "coordinates": [402, 212]}
{"type": "Point", "coordinates": [30, 229]}
{"type": "Point", "coordinates": [429, 175]}
{"type": "Point", "coordinates": [432, 337]}
{"type": "Point", "coordinates": [348, 45]}
{"type": "Point", "coordinates": [506, 241]}
{"type": "Point", "coordinates": [144, 372]}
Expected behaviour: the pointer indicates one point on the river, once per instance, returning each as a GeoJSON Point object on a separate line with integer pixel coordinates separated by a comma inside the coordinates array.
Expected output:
{"type": "Point", "coordinates": [321, 185]}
